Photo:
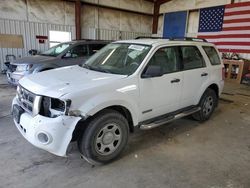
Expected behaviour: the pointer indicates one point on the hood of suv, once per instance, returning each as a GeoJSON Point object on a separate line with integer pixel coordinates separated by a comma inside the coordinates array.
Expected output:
{"type": "Point", "coordinates": [62, 81]}
{"type": "Point", "coordinates": [34, 59]}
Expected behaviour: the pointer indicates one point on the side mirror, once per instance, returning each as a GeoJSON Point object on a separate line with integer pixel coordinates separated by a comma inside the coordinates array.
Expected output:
{"type": "Point", "coordinates": [152, 71]}
{"type": "Point", "coordinates": [67, 55]}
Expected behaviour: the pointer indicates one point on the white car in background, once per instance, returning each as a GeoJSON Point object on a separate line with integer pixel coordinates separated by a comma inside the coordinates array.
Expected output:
{"type": "Point", "coordinates": [128, 84]}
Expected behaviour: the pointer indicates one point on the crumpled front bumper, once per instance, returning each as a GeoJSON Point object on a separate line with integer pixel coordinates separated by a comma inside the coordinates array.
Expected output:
{"type": "Point", "coordinates": [58, 131]}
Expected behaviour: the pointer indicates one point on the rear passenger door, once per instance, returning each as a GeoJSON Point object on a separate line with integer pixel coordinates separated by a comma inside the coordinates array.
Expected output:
{"type": "Point", "coordinates": [195, 74]}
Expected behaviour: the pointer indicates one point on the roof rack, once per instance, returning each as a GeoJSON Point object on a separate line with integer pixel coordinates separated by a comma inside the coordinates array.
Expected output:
{"type": "Point", "coordinates": [189, 39]}
{"type": "Point", "coordinates": [175, 38]}
{"type": "Point", "coordinates": [145, 37]}
{"type": "Point", "coordinates": [90, 40]}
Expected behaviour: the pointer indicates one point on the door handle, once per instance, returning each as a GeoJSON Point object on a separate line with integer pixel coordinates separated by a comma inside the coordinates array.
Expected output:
{"type": "Point", "coordinates": [175, 80]}
{"type": "Point", "coordinates": [204, 74]}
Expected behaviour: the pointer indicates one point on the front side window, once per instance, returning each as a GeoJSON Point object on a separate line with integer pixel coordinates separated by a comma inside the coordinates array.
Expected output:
{"type": "Point", "coordinates": [93, 48]}
{"type": "Point", "coordinates": [118, 58]}
{"type": "Point", "coordinates": [167, 59]}
{"type": "Point", "coordinates": [191, 58]}
{"type": "Point", "coordinates": [212, 55]}
{"type": "Point", "coordinates": [56, 50]}
{"type": "Point", "coordinates": [79, 51]}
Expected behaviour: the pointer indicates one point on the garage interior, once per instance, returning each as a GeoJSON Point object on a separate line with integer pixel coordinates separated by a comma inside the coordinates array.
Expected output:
{"type": "Point", "coordinates": [184, 153]}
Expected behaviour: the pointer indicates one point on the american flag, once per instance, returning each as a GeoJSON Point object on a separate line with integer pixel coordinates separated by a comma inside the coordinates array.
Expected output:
{"type": "Point", "coordinates": [228, 27]}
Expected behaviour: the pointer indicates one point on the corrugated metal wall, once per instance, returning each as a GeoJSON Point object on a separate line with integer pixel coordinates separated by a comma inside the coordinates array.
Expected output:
{"type": "Point", "coordinates": [106, 34]}
{"type": "Point", "coordinates": [29, 30]}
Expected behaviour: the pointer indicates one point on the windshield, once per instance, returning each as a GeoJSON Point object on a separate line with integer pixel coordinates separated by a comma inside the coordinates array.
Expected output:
{"type": "Point", "coordinates": [56, 50]}
{"type": "Point", "coordinates": [118, 58]}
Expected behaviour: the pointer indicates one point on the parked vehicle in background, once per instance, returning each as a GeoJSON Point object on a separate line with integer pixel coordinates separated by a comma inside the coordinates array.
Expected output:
{"type": "Point", "coordinates": [126, 85]}
{"type": "Point", "coordinates": [64, 54]}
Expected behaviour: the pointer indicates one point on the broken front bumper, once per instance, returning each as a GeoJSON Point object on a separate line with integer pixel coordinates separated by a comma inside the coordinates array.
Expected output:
{"type": "Point", "coordinates": [50, 134]}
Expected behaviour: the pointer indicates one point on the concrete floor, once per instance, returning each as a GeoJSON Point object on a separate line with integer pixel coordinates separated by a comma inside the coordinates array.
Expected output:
{"type": "Point", "coordinates": [183, 154]}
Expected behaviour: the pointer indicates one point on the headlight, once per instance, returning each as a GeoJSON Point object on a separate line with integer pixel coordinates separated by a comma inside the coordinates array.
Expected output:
{"type": "Point", "coordinates": [18, 92]}
{"type": "Point", "coordinates": [52, 107]}
{"type": "Point", "coordinates": [21, 68]}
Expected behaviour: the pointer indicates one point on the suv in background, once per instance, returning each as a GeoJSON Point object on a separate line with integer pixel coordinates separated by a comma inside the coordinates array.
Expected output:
{"type": "Point", "coordinates": [63, 54]}
{"type": "Point", "coordinates": [128, 84]}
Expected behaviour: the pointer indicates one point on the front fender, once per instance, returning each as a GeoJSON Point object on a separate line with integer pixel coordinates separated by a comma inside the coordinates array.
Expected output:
{"type": "Point", "coordinates": [99, 102]}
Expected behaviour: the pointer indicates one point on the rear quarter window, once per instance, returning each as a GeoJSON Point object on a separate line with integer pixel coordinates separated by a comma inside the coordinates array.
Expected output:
{"type": "Point", "coordinates": [212, 55]}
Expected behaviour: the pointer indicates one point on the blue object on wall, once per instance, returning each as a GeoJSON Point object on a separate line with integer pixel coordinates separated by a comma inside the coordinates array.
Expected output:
{"type": "Point", "coordinates": [175, 24]}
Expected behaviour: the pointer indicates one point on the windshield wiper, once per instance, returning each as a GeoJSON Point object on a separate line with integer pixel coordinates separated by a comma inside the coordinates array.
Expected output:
{"type": "Point", "coordinates": [95, 68]}
{"type": "Point", "coordinates": [85, 66]}
{"type": "Point", "coordinates": [99, 69]}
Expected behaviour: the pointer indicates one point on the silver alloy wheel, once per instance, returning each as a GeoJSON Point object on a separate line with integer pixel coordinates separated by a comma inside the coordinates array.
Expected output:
{"type": "Point", "coordinates": [208, 105]}
{"type": "Point", "coordinates": [108, 139]}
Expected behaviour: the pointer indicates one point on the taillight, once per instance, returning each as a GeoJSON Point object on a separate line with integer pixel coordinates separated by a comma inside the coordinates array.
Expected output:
{"type": "Point", "coordinates": [223, 72]}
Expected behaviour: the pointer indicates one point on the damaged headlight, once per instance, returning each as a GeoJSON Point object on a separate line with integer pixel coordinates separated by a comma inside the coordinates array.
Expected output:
{"type": "Point", "coordinates": [21, 68]}
{"type": "Point", "coordinates": [52, 107]}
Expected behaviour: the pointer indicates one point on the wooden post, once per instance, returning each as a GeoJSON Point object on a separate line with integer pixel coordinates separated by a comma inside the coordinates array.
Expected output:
{"type": "Point", "coordinates": [157, 5]}
{"type": "Point", "coordinates": [155, 17]}
{"type": "Point", "coordinates": [78, 19]}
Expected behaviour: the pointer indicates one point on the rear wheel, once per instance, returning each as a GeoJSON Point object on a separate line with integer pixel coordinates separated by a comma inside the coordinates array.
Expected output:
{"type": "Point", "coordinates": [105, 137]}
{"type": "Point", "coordinates": [207, 104]}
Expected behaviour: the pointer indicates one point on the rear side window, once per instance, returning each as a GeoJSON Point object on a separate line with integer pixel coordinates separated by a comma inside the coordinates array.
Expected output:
{"type": "Point", "coordinates": [212, 55]}
{"type": "Point", "coordinates": [191, 57]}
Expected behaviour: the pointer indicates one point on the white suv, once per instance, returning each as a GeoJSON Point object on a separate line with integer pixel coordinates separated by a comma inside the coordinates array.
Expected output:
{"type": "Point", "coordinates": [128, 84]}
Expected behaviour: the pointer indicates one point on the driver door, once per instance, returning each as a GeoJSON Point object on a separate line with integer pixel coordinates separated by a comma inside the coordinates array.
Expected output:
{"type": "Point", "coordinates": [161, 95]}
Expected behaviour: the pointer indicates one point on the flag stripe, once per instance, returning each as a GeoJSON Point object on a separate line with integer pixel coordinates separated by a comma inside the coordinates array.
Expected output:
{"type": "Point", "coordinates": [233, 47]}
{"type": "Point", "coordinates": [236, 28]}
{"type": "Point", "coordinates": [213, 40]}
{"type": "Point", "coordinates": [236, 20]}
{"type": "Point", "coordinates": [234, 36]}
{"type": "Point", "coordinates": [230, 6]}
{"type": "Point", "coordinates": [225, 32]}
{"type": "Point", "coordinates": [235, 9]}
{"type": "Point", "coordinates": [237, 17]}
{"type": "Point", "coordinates": [237, 13]}
{"type": "Point", "coordinates": [236, 24]}
{"type": "Point", "coordinates": [232, 43]}
{"type": "Point", "coordinates": [235, 50]}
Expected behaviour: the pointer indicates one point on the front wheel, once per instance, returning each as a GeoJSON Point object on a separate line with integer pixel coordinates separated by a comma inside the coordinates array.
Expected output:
{"type": "Point", "coordinates": [104, 138]}
{"type": "Point", "coordinates": [207, 104]}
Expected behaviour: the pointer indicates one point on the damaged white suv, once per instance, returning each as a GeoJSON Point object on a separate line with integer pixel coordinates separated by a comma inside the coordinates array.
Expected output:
{"type": "Point", "coordinates": [139, 83]}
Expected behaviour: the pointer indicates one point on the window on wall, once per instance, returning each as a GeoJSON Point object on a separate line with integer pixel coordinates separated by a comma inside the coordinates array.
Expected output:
{"type": "Point", "coordinates": [56, 37]}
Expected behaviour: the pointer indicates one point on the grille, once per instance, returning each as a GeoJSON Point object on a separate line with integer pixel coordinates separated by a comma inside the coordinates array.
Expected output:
{"type": "Point", "coordinates": [26, 99]}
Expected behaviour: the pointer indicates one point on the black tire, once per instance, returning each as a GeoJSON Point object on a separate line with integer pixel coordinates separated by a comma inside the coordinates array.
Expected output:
{"type": "Point", "coordinates": [107, 126]}
{"type": "Point", "coordinates": [207, 104]}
